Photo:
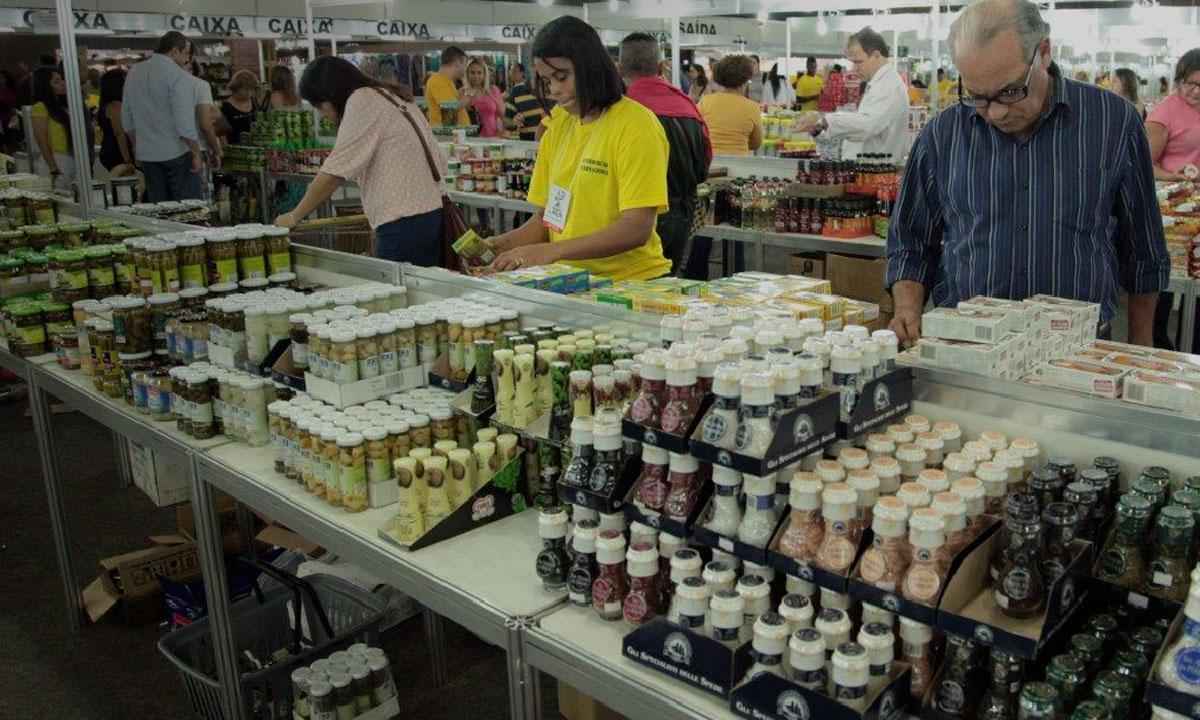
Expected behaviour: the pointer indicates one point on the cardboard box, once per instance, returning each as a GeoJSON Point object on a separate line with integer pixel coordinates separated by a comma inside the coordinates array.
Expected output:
{"type": "Point", "coordinates": [574, 705]}
{"type": "Point", "coordinates": [164, 478]}
{"type": "Point", "coordinates": [131, 579]}
{"type": "Point", "coordinates": [807, 264]}
{"type": "Point", "coordinates": [969, 325]}
{"type": "Point", "coordinates": [1162, 391]}
{"type": "Point", "coordinates": [357, 393]}
{"type": "Point", "coordinates": [1083, 376]}
{"type": "Point", "coordinates": [858, 278]}
{"type": "Point", "coordinates": [226, 506]}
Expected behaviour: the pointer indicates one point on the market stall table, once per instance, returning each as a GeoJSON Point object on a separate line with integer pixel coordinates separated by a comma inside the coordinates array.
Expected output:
{"type": "Point", "coordinates": [475, 579]}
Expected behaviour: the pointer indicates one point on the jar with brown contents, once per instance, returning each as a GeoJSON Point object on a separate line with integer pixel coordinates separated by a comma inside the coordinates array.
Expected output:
{"type": "Point", "coordinates": [131, 325]}
{"type": "Point", "coordinates": [124, 273]}
{"type": "Point", "coordinates": [251, 253]}
{"type": "Point", "coordinates": [222, 251]}
{"type": "Point", "coordinates": [68, 276]}
{"type": "Point", "coordinates": [72, 235]}
{"type": "Point", "coordinates": [279, 250]}
{"type": "Point", "coordinates": [193, 271]}
{"type": "Point", "coordinates": [42, 210]}
{"type": "Point", "coordinates": [419, 431]}
{"type": "Point", "coordinates": [166, 262]}
{"type": "Point", "coordinates": [202, 407]}
{"type": "Point", "coordinates": [100, 345]}
{"type": "Point", "coordinates": [442, 424]}
{"type": "Point", "coordinates": [352, 472]}
{"type": "Point", "coordinates": [28, 337]}
{"type": "Point", "coordinates": [101, 277]}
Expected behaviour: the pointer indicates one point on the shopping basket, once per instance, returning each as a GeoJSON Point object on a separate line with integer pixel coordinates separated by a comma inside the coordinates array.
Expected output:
{"type": "Point", "coordinates": [293, 625]}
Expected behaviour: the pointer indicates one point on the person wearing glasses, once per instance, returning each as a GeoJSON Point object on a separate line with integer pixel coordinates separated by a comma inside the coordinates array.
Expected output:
{"type": "Point", "coordinates": [1031, 183]}
{"type": "Point", "coordinates": [881, 121]}
{"type": "Point", "coordinates": [1174, 125]}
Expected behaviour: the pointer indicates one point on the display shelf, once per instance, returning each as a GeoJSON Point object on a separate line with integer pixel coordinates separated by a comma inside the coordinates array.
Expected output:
{"type": "Point", "coordinates": [74, 388]}
{"type": "Point", "coordinates": [471, 579]}
{"type": "Point", "coordinates": [574, 645]}
{"type": "Point", "coordinates": [869, 245]}
{"type": "Point", "coordinates": [20, 365]}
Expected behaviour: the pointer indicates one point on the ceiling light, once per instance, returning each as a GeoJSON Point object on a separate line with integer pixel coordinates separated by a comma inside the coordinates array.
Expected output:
{"type": "Point", "coordinates": [762, 15]}
{"type": "Point", "coordinates": [822, 26]}
{"type": "Point", "coordinates": [614, 5]}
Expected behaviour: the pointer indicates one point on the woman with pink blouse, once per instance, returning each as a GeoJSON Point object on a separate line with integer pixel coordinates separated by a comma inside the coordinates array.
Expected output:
{"type": "Point", "coordinates": [484, 98]}
{"type": "Point", "coordinates": [1174, 125]}
{"type": "Point", "coordinates": [379, 148]}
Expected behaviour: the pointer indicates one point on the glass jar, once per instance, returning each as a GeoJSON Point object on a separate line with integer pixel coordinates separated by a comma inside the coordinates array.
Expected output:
{"type": "Point", "coordinates": [343, 357]}
{"type": "Point", "coordinates": [352, 472]}
{"type": "Point", "coordinates": [251, 253]}
{"type": "Point", "coordinates": [42, 210]}
{"type": "Point", "coordinates": [406, 344]}
{"type": "Point", "coordinates": [162, 306]}
{"type": "Point", "coordinates": [1168, 574]}
{"type": "Point", "coordinates": [1020, 584]}
{"type": "Point", "coordinates": [124, 273]}
{"type": "Point", "coordinates": [101, 276]}
{"type": "Point", "coordinates": [71, 235]}
{"type": "Point", "coordinates": [279, 250]}
{"type": "Point", "coordinates": [165, 263]}
{"type": "Point", "coordinates": [222, 253]}
{"type": "Point", "coordinates": [68, 276]}
{"type": "Point", "coordinates": [132, 326]}
{"type": "Point", "coordinates": [367, 348]}
{"type": "Point", "coordinates": [298, 332]}
{"type": "Point", "coordinates": [201, 405]}
{"type": "Point", "coordinates": [39, 237]}
{"type": "Point", "coordinates": [1123, 559]}
{"type": "Point", "coordinates": [193, 262]}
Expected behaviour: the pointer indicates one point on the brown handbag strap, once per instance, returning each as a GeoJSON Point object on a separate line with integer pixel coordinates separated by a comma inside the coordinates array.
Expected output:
{"type": "Point", "coordinates": [437, 176]}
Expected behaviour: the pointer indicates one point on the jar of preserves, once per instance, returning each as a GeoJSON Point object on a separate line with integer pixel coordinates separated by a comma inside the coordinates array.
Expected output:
{"type": "Point", "coordinates": [193, 261]}
{"type": "Point", "coordinates": [406, 344]}
{"type": "Point", "coordinates": [298, 332]}
{"type": "Point", "coordinates": [68, 276]}
{"type": "Point", "coordinates": [352, 477]}
{"type": "Point", "coordinates": [222, 252]}
{"type": "Point", "coordinates": [28, 336]}
{"type": "Point", "coordinates": [101, 276]}
{"type": "Point", "coordinates": [132, 325]}
{"type": "Point", "coordinates": [343, 357]}
{"type": "Point", "coordinates": [124, 273]}
{"type": "Point", "coordinates": [379, 455]}
{"type": "Point", "coordinates": [130, 364]}
{"type": "Point", "coordinates": [100, 346]}
{"type": "Point", "coordinates": [162, 306]}
{"type": "Point", "coordinates": [72, 235]}
{"type": "Point", "coordinates": [251, 253]}
{"type": "Point", "coordinates": [42, 210]}
{"type": "Point", "coordinates": [279, 250]}
{"type": "Point", "coordinates": [199, 396]}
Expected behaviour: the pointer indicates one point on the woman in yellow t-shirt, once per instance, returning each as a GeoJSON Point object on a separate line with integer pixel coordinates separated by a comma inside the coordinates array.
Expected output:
{"type": "Point", "coordinates": [601, 170]}
{"type": "Point", "coordinates": [52, 125]}
{"type": "Point", "coordinates": [734, 121]}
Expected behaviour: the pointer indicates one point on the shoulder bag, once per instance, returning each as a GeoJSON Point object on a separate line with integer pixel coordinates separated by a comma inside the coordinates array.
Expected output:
{"type": "Point", "coordinates": [453, 222]}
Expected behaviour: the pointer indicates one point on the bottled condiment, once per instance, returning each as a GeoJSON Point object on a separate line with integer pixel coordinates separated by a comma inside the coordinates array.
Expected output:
{"type": "Point", "coordinates": [888, 472]}
{"type": "Point", "coordinates": [680, 564]}
{"type": "Point", "coordinates": [883, 565]}
{"type": "Point", "coordinates": [1058, 521]}
{"type": "Point", "coordinates": [851, 675]}
{"type": "Point", "coordinates": [642, 602]}
{"type": "Point", "coordinates": [1068, 676]}
{"type": "Point", "coordinates": [755, 431]}
{"type": "Point", "coordinates": [584, 570]}
{"type": "Point", "coordinates": [721, 423]}
{"type": "Point", "coordinates": [683, 397]}
{"type": "Point", "coordinates": [646, 408]}
{"type": "Point", "coordinates": [915, 638]}
{"type": "Point", "coordinates": [959, 682]}
{"type": "Point", "coordinates": [578, 471]}
{"type": "Point", "coordinates": [726, 613]}
{"type": "Point", "coordinates": [806, 526]}
{"type": "Point", "coordinates": [759, 521]}
{"type": "Point", "coordinates": [685, 485]}
{"type": "Point", "coordinates": [719, 575]}
{"type": "Point", "coordinates": [880, 644]}
{"type": "Point", "coordinates": [1020, 585]}
{"type": "Point", "coordinates": [610, 587]}
{"type": "Point", "coordinates": [1167, 576]}
{"type": "Point", "coordinates": [1047, 485]}
{"type": "Point", "coordinates": [925, 575]}
{"type": "Point", "coordinates": [726, 515]}
{"type": "Point", "coordinates": [912, 461]}
{"type": "Point", "coordinates": [1005, 675]}
{"type": "Point", "coordinates": [1123, 560]}
{"type": "Point", "coordinates": [770, 639]}
{"type": "Point", "coordinates": [352, 479]}
{"type": "Point", "coordinates": [1038, 701]}
{"type": "Point", "coordinates": [1114, 691]}
{"type": "Point", "coordinates": [552, 561]}
{"type": "Point", "coordinates": [690, 604]}
{"type": "Point", "coordinates": [806, 653]}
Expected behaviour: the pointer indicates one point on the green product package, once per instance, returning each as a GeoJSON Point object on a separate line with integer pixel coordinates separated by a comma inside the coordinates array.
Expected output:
{"type": "Point", "coordinates": [474, 249]}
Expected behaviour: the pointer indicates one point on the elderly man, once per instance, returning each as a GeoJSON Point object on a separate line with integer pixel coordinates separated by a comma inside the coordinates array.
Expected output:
{"type": "Point", "coordinates": [1031, 183]}
{"type": "Point", "coordinates": [881, 121]}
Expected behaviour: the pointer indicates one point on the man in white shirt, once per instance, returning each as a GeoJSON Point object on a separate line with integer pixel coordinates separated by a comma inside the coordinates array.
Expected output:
{"type": "Point", "coordinates": [881, 122]}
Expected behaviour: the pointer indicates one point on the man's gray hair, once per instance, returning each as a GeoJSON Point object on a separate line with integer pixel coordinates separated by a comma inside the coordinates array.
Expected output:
{"type": "Point", "coordinates": [639, 55]}
{"type": "Point", "coordinates": [982, 21]}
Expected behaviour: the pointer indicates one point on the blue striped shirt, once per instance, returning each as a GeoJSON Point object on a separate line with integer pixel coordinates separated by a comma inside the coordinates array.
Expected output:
{"type": "Point", "coordinates": [1070, 211]}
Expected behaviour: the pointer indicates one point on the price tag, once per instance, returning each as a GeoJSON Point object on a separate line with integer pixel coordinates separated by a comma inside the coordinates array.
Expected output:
{"type": "Point", "coordinates": [557, 207]}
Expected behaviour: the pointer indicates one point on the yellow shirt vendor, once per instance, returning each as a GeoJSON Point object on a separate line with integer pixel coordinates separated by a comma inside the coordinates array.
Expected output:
{"type": "Point", "coordinates": [601, 169]}
{"type": "Point", "coordinates": [440, 88]}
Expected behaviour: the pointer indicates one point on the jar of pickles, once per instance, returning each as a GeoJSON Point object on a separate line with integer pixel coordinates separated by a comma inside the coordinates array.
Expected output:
{"type": "Point", "coordinates": [343, 357]}
{"type": "Point", "coordinates": [39, 237]}
{"type": "Point", "coordinates": [222, 252]}
{"type": "Point", "coordinates": [352, 472]}
{"type": "Point", "coordinates": [200, 398]}
{"type": "Point", "coordinates": [279, 250]}
{"type": "Point", "coordinates": [130, 364]}
{"type": "Point", "coordinates": [124, 273]}
{"type": "Point", "coordinates": [72, 235]}
{"type": "Point", "coordinates": [68, 276]}
{"type": "Point", "coordinates": [131, 325]}
{"type": "Point", "coordinates": [28, 337]}
{"type": "Point", "coordinates": [164, 262]}
{"type": "Point", "coordinates": [101, 348]}
{"type": "Point", "coordinates": [162, 306]}
{"type": "Point", "coordinates": [101, 277]}
{"type": "Point", "coordinates": [251, 253]}
{"type": "Point", "coordinates": [193, 272]}
{"type": "Point", "coordinates": [42, 210]}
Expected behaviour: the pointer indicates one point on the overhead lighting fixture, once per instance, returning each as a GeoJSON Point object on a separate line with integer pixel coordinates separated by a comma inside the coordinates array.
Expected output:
{"type": "Point", "coordinates": [822, 26]}
{"type": "Point", "coordinates": [762, 15]}
{"type": "Point", "coordinates": [614, 5]}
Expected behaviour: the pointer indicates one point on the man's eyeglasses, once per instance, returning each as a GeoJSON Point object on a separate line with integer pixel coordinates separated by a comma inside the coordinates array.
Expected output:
{"type": "Point", "coordinates": [1188, 86]}
{"type": "Point", "coordinates": [1007, 96]}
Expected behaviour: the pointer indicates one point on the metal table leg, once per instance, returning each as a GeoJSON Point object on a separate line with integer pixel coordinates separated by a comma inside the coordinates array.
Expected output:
{"type": "Point", "coordinates": [245, 520]}
{"type": "Point", "coordinates": [124, 472]}
{"type": "Point", "coordinates": [436, 637]}
{"type": "Point", "coordinates": [39, 403]}
{"type": "Point", "coordinates": [1187, 312]}
{"type": "Point", "coordinates": [760, 247]}
{"type": "Point", "coordinates": [216, 591]}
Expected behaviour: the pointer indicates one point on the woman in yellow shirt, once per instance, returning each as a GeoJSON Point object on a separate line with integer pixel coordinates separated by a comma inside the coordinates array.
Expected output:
{"type": "Point", "coordinates": [601, 170]}
{"type": "Point", "coordinates": [734, 121]}
{"type": "Point", "coordinates": [52, 126]}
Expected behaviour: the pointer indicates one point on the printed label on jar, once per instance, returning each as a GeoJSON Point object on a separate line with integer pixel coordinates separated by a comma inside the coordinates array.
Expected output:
{"type": "Point", "coordinates": [370, 366]}
{"type": "Point", "coordinates": [636, 610]}
{"type": "Point", "coordinates": [253, 267]}
{"type": "Point", "coordinates": [171, 279]}
{"type": "Point", "coordinates": [407, 355]}
{"type": "Point", "coordinates": [1017, 584]}
{"type": "Point", "coordinates": [1187, 666]}
{"type": "Point", "coordinates": [1113, 563]}
{"type": "Point", "coordinates": [549, 566]}
{"type": "Point", "coordinates": [379, 470]}
{"type": "Point", "coordinates": [605, 600]}
{"type": "Point", "coordinates": [227, 270]}
{"type": "Point", "coordinates": [299, 354]}
{"type": "Point", "coordinates": [32, 335]}
{"type": "Point", "coordinates": [716, 426]}
{"type": "Point", "coordinates": [873, 567]}
{"type": "Point", "coordinates": [726, 634]}
{"type": "Point", "coordinates": [837, 553]}
{"type": "Point", "coordinates": [950, 697]}
{"type": "Point", "coordinates": [579, 587]}
{"type": "Point", "coordinates": [691, 621]}
{"type": "Point", "coordinates": [388, 362]}
{"type": "Point", "coordinates": [844, 692]}
{"type": "Point", "coordinates": [921, 584]}
{"type": "Point", "coordinates": [280, 262]}
{"type": "Point", "coordinates": [353, 480]}
{"type": "Point", "coordinates": [202, 413]}
{"type": "Point", "coordinates": [760, 502]}
{"type": "Point", "coordinates": [810, 678]}
{"type": "Point", "coordinates": [101, 276]}
{"type": "Point", "coordinates": [191, 276]}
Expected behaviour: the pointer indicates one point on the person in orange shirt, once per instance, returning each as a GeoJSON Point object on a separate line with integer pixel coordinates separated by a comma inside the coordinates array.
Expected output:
{"type": "Point", "coordinates": [441, 87]}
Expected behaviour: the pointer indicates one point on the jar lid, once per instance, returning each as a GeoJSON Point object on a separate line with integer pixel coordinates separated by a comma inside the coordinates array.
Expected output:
{"type": "Point", "coordinates": [807, 642]}
{"type": "Point", "coordinates": [991, 472]}
{"type": "Point", "coordinates": [925, 520]}
{"type": "Point", "coordinates": [934, 480]}
{"type": "Point", "coordinates": [830, 471]}
{"type": "Point", "coordinates": [718, 571]}
{"type": "Point", "coordinates": [349, 440]}
{"type": "Point", "coordinates": [994, 439]}
{"type": "Point", "coordinates": [681, 372]}
{"type": "Point", "coordinates": [687, 559]}
{"type": "Point", "coordinates": [949, 503]}
{"type": "Point", "coordinates": [947, 430]}
{"type": "Point", "coordinates": [692, 587]}
{"type": "Point", "coordinates": [930, 441]}
{"type": "Point", "coordinates": [683, 463]}
{"type": "Point", "coordinates": [968, 488]}
{"type": "Point", "coordinates": [374, 433]}
{"type": "Point", "coordinates": [753, 587]}
{"type": "Point", "coordinates": [917, 423]}
{"type": "Point", "coordinates": [885, 467]}
{"type": "Point", "coordinates": [977, 450]}
{"type": "Point", "coordinates": [880, 444]}
{"type": "Point", "coordinates": [864, 482]}
{"type": "Point", "coordinates": [796, 608]}
{"type": "Point", "coordinates": [914, 495]}
{"type": "Point", "coordinates": [891, 509]}
{"type": "Point", "coordinates": [845, 360]}
{"type": "Point", "coordinates": [832, 621]}
{"type": "Point", "coordinates": [770, 633]}
{"type": "Point", "coordinates": [642, 557]}
{"type": "Point", "coordinates": [805, 493]}
{"type": "Point", "coordinates": [850, 656]}
{"type": "Point", "coordinates": [612, 544]}
{"type": "Point", "coordinates": [959, 463]}
{"type": "Point", "coordinates": [900, 434]}
{"type": "Point", "coordinates": [909, 452]}
{"type": "Point", "coordinates": [836, 497]}
{"type": "Point", "coordinates": [727, 601]}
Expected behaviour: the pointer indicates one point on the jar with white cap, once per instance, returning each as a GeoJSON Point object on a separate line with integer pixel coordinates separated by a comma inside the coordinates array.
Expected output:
{"type": "Point", "coordinates": [684, 563]}
{"type": "Point", "coordinates": [935, 481]}
{"type": "Point", "coordinates": [821, 350]}
{"type": "Point", "coordinates": [870, 361]}
{"type": "Point", "coordinates": [951, 435]}
{"type": "Point", "coordinates": [726, 512]}
{"type": "Point", "coordinates": [759, 520]}
{"type": "Point", "coordinates": [670, 330]}
{"type": "Point", "coordinates": [811, 375]}
{"type": "Point", "coordinates": [917, 423]}
{"type": "Point", "coordinates": [887, 469]}
{"type": "Point", "coordinates": [995, 486]}
{"type": "Point", "coordinates": [912, 461]}
{"type": "Point", "coordinates": [720, 425]}
{"type": "Point", "coordinates": [734, 349]}
{"type": "Point", "coordinates": [798, 586]}
{"type": "Point", "coordinates": [852, 458]}
{"type": "Point", "coordinates": [994, 439]}
{"type": "Point", "coordinates": [900, 434]}
{"type": "Point", "coordinates": [611, 586]}
{"type": "Point", "coordinates": [874, 614]}
{"type": "Point", "coordinates": [846, 365]}
{"type": "Point", "coordinates": [786, 374]}
{"type": "Point", "coordinates": [884, 563]}
{"type": "Point", "coordinates": [552, 562]}
{"type": "Point", "coordinates": [770, 634]}
{"type": "Point", "coordinates": [834, 625]}
{"type": "Point", "coordinates": [719, 575]}
{"type": "Point", "coordinates": [1012, 461]}
{"type": "Point", "coordinates": [668, 545]}
{"type": "Point", "coordinates": [583, 570]}
{"type": "Point", "coordinates": [764, 340]}
{"type": "Point", "coordinates": [797, 610]}
{"type": "Point", "coordinates": [757, 594]}
{"type": "Point", "coordinates": [651, 487]}
{"type": "Point", "coordinates": [830, 471]}
{"type": "Point", "coordinates": [889, 347]}
{"type": "Point", "coordinates": [880, 643]}
{"type": "Point", "coordinates": [684, 494]}
{"type": "Point", "coordinates": [839, 546]}
{"type": "Point", "coordinates": [954, 513]}
{"type": "Point", "coordinates": [933, 446]}
{"type": "Point", "coordinates": [977, 451]}
{"type": "Point", "coordinates": [880, 445]}
{"type": "Point", "coordinates": [642, 533]}
{"type": "Point", "coordinates": [866, 485]}
{"type": "Point", "coordinates": [835, 599]}
{"type": "Point", "coordinates": [806, 654]}
{"type": "Point", "coordinates": [642, 602]}
{"type": "Point", "coordinates": [914, 650]}
{"type": "Point", "coordinates": [727, 616]}
{"type": "Point", "coordinates": [756, 431]}
{"type": "Point", "coordinates": [974, 498]}
{"type": "Point", "coordinates": [1030, 451]}
{"type": "Point", "coordinates": [925, 576]}
{"type": "Point", "coordinates": [957, 466]}
{"type": "Point", "coordinates": [806, 526]}
{"type": "Point", "coordinates": [689, 607]}
{"type": "Point", "coordinates": [612, 521]}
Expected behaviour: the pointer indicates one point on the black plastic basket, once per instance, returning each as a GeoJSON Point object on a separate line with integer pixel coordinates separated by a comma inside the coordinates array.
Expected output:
{"type": "Point", "coordinates": [306, 619]}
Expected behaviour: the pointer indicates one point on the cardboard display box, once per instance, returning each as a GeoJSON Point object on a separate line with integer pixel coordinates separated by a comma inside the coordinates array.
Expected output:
{"type": "Point", "coordinates": [659, 521]}
{"type": "Point", "coordinates": [131, 579]}
{"type": "Point", "coordinates": [703, 536]}
{"type": "Point", "coordinates": [883, 400]}
{"type": "Point", "coordinates": [1159, 693]}
{"type": "Point", "coordinates": [666, 441]}
{"type": "Point", "coordinates": [770, 697]}
{"type": "Point", "coordinates": [357, 393]}
{"type": "Point", "coordinates": [861, 279]}
{"type": "Point", "coordinates": [604, 502]}
{"type": "Point", "coordinates": [692, 657]}
{"type": "Point", "coordinates": [163, 477]}
{"type": "Point", "coordinates": [226, 507]}
{"type": "Point", "coordinates": [807, 264]}
{"type": "Point", "coordinates": [798, 432]}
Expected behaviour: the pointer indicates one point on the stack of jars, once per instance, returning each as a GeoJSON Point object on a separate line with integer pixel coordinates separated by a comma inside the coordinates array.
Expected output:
{"type": "Point", "coordinates": [24, 207]}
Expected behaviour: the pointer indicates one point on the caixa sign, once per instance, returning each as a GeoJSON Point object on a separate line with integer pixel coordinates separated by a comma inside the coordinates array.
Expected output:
{"type": "Point", "coordinates": [206, 24]}
{"type": "Point", "coordinates": [299, 26]}
{"type": "Point", "coordinates": [401, 28]}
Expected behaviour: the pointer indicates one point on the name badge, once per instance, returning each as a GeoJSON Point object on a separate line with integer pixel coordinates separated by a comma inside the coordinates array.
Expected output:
{"type": "Point", "coordinates": [557, 207]}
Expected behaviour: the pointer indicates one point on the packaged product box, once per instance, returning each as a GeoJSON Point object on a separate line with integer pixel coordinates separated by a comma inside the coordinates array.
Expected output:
{"type": "Point", "coordinates": [162, 476]}
{"type": "Point", "coordinates": [694, 288]}
{"type": "Point", "coordinates": [973, 358]}
{"type": "Point", "coordinates": [131, 579]}
{"type": "Point", "coordinates": [807, 264]}
{"type": "Point", "coordinates": [1085, 316]}
{"type": "Point", "coordinates": [1082, 375]}
{"type": "Point", "coordinates": [1163, 391]}
{"type": "Point", "coordinates": [832, 306]}
{"type": "Point", "coordinates": [856, 277]}
{"type": "Point", "coordinates": [982, 326]}
{"type": "Point", "coordinates": [1127, 361]}
{"type": "Point", "coordinates": [1025, 312]}
{"type": "Point", "coordinates": [798, 309]}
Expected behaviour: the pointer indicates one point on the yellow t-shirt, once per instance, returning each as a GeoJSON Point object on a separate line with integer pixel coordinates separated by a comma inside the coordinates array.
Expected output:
{"type": "Point", "coordinates": [916, 96]}
{"type": "Point", "coordinates": [58, 133]}
{"type": "Point", "coordinates": [946, 89]}
{"type": "Point", "coordinates": [806, 86]}
{"type": "Point", "coordinates": [440, 89]}
{"type": "Point", "coordinates": [731, 119]}
{"type": "Point", "coordinates": [615, 163]}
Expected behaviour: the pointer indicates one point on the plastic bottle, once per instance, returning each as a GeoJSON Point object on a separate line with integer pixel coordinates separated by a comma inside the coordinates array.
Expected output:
{"type": "Point", "coordinates": [839, 546]}
{"type": "Point", "coordinates": [884, 563]}
{"type": "Point", "coordinates": [690, 609]}
{"type": "Point", "coordinates": [584, 569]}
{"type": "Point", "coordinates": [552, 561]}
{"type": "Point", "coordinates": [685, 563]}
{"type": "Point", "coordinates": [720, 424]}
{"type": "Point", "coordinates": [770, 641]}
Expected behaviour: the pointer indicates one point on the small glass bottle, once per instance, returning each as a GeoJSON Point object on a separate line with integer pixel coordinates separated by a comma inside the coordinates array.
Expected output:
{"type": "Point", "coordinates": [887, 469]}
{"type": "Point", "coordinates": [846, 363]}
{"type": "Point", "coordinates": [1000, 701]}
{"type": "Point", "coordinates": [1123, 559]}
{"type": "Point", "coordinates": [914, 650]}
{"type": "Point", "coordinates": [954, 513]}
{"type": "Point", "coordinates": [684, 480]}
{"type": "Point", "coordinates": [683, 397]}
{"type": "Point", "coordinates": [755, 431]}
{"type": "Point", "coordinates": [770, 639]}
{"type": "Point", "coordinates": [925, 575]}
{"type": "Point", "coordinates": [912, 461]}
{"type": "Point", "coordinates": [690, 605]}
{"type": "Point", "coordinates": [1167, 576]}
{"type": "Point", "coordinates": [584, 570]}
{"type": "Point", "coordinates": [843, 530]}
{"type": "Point", "coordinates": [652, 485]}
{"type": "Point", "coordinates": [1020, 589]}
{"type": "Point", "coordinates": [611, 586]}
{"type": "Point", "coordinates": [726, 513]}
{"type": "Point", "coordinates": [834, 625]}
{"type": "Point", "coordinates": [880, 644]}
{"type": "Point", "coordinates": [1068, 675]}
{"type": "Point", "coordinates": [1058, 522]}
{"type": "Point", "coordinates": [1038, 701]}
{"type": "Point", "coordinates": [972, 492]}
{"type": "Point", "coordinates": [933, 446]}
{"type": "Point", "coordinates": [720, 425]}
{"type": "Point", "coordinates": [797, 610]}
{"type": "Point", "coordinates": [883, 565]}
{"type": "Point", "coordinates": [646, 408]}
{"type": "Point", "coordinates": [606, 461]}
{"type": "Point", "coordinates": [641, 604]}
{"type": "Point", "coordinates": [684, 563]}
{"type": "Point", "coordinates": [959, 682]}
{"type": "Point", "coordinates": [996, 488]}
{"type": "Point", "coordinates": [806, 654]}
{"type": "Point", "coordinates": [879, 445]}
{"type": "Point", "coordinates": [914, 495]}
{"type": "Point", "coordinates": [958, 466]}
{"type": "Point", "coordinates": [806, 526]}
{"type": "Point", "coordinates": [552, 561]}
{"type": "Point", "coordinates": [719, 575]}
{"type": "Point", "coordinates": [759, 521]}
{"type": "Point", "coordinates": [726, 614]}
{"type": "Point", "coordinates": [866, 485]}
{"type": "Point", "coordinates": [851, 676]}
{"type": "Point", "coordinates": [756, 591]}
{"type": "Point", "coordinates": [579, 469]}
